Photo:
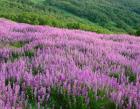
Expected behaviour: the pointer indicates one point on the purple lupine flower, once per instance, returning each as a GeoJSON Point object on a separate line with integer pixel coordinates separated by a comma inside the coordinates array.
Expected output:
{"type": "Point", "coordinates": [72, 59]}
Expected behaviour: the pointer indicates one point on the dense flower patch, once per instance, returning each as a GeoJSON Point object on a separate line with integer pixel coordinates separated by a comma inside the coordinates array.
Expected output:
{"type": "Point", "coordinates": [44, 67]}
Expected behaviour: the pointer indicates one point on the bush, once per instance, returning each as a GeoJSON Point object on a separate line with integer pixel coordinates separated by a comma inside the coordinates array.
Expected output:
{"type": "Point", "coordinates": [73, 25]}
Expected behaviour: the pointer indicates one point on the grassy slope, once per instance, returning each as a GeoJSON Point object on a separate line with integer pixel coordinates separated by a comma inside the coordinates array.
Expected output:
{"type": "Point", "coordinates": [115, 15]}
{"type": "Point", "coordinates": [103, 16]}
{"type": "Point", "coordinates": [32, 11]}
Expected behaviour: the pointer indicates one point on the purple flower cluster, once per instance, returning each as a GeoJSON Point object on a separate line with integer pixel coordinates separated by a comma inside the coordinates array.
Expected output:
{"type": "Point", "coordinates": [43, 57]}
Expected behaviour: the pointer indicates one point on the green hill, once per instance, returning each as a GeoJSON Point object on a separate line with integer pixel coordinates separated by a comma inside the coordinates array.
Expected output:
{"type": "Point", "coordinates": [103, 16]}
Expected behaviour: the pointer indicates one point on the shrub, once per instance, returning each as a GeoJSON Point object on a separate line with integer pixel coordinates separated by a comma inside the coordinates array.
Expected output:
{"type": "Point", "coordinates": [73, 25]}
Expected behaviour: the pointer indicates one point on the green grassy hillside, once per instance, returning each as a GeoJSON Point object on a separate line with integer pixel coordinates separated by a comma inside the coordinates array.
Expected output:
{"type": "Point", "coordinates": [103, 16]}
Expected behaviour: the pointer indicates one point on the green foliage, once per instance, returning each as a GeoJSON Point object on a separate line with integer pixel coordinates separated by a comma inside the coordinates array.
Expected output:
{"type": "Point", "coordinates": [115, 75]}
{"type": "Point", "coordinates": [78, 102]}
{"type": "Point", "coordinates": [113, 15]}
{"type": "Point", "coordinates": [15, 55]}
{"type": "Point", "coordinates": [29, 54]}
{"type": "Point", "coordinates": [73, 25]}
{"type": "Point", "coordinates": [17, 44]}
{"type": "Point", "coordinates": [60, 99]}
{"type": "Point", "coordinates": [131, 75]}
{"type": "Point", "coordinates": [91, 15]}
{"type": "Point", "coordinates": [30, 95]}
{"type": "Point", "coordinates": [67, 101]}
{"type": "Point", "coordinates": [103, 102]}
{"type": "Point", "coordinates": [138, 32]}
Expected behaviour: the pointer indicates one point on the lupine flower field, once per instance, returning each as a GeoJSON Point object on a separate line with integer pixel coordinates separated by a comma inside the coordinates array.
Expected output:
{"type": "Point", "coordinates": [43, 67]}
